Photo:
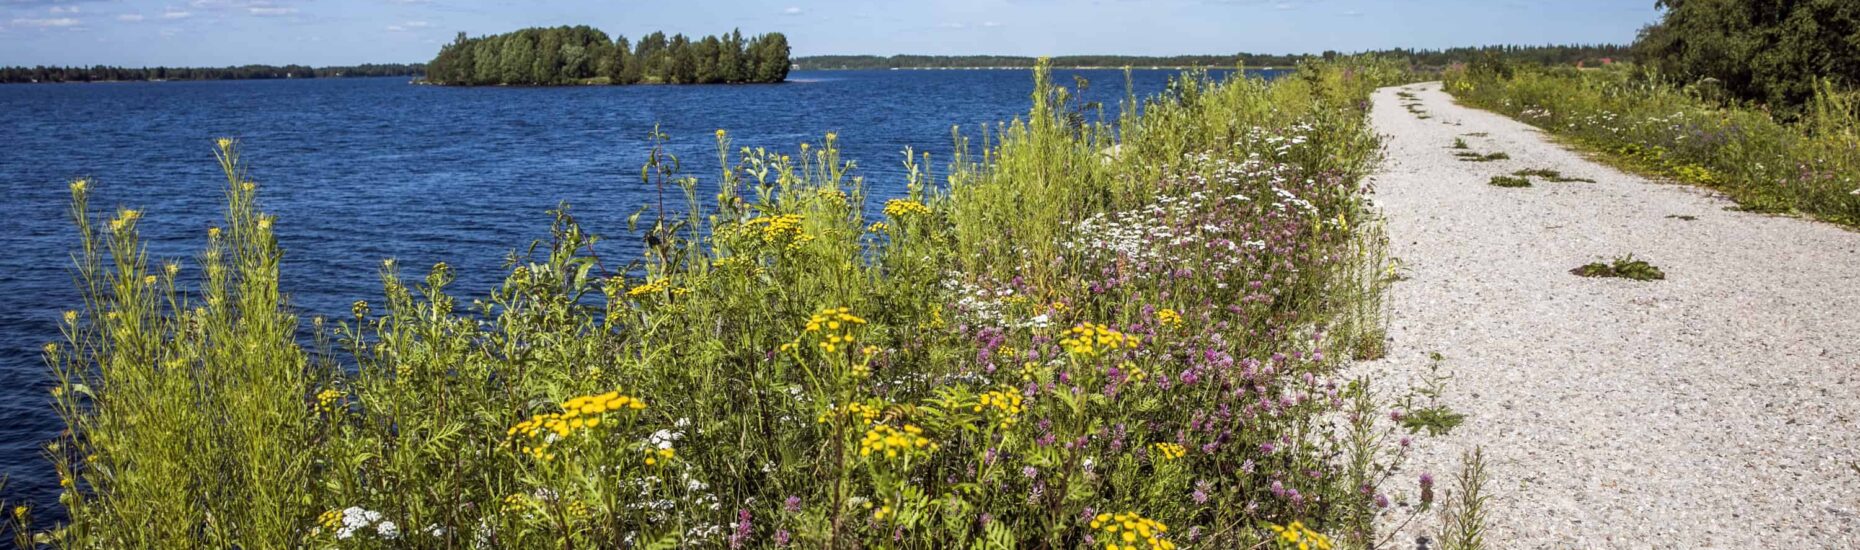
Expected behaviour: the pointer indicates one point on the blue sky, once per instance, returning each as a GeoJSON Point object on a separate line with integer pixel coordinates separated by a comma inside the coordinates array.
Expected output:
{"type": "Point", "coordinates": [341, 32]}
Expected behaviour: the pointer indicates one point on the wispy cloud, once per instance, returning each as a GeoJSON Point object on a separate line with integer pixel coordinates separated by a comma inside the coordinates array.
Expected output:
{"type": "Point", "coordinates": [410, 25]}
{"type": "Point", "coordinates": [792, 10]}
{"type": "Point", "coordinates": [63, 9]}
{"type": "Point", "coordinates": [1352, 13]}
{"type": "Point", "coordinates": [991, 24]}
{"type": "Point", "coordinates": [46, 23]}
{"type": "Point", "coordinates": [129, 17]}
{"type": "Point", "coordinates": [176, 14]}
{"type": "Point", "coordinates": [270, 11]}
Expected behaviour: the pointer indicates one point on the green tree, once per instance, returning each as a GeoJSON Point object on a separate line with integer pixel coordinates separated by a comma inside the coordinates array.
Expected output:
{"type": "Point", "coordinates": [1770, 51]}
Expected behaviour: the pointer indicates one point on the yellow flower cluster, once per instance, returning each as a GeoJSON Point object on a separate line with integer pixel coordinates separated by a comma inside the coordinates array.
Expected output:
{"type": "Point", "coordinates": [1168, 317]}
{"type": "Point", "coordinates": [877, 227]}
{"type": "Point", "coordinates": [580, 413]}
{"type": "Point", "coordinates": [656, 286]}
{"type": "Point", "coordinates": [655, 456]}
{"type": "Point", "coordinates": [1003, 404]}
{"type": "Point", "coordinates": [902, 208]}
{"type": "Point", "coordinates": [883, 512]}
{"type": "Point", "coordinates": [1090, 339]}
{"type": "Point", "coordinates": [1170, 451]}
{"type": "Point", "coordinates": [866, 413]}
{"type": "Point", "coordinates": [1125, 531]}
{"type": "Point", "coordinates": [515, 500]}
{"type": "Point", "coordinates": [893, 442]}
{"type": "Point", "coordinates": [781, 230]}
{"type": "Point", "coordinates": [833, 327]}
{"type": "Point", "coordinates": [330, 520]}
{"type": "Point", "coordinates": [124, 219]}
{"type": "Point", "coordinates": [651, 286]}
{"type": "Point", "coordinates": [1299, 536]}
{"type": "Point", "coordinates": [326, 399]}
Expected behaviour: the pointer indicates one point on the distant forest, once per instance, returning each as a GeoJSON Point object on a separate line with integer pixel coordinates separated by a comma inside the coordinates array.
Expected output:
{"type": "Point", "coordinates": [1551, 54]}
{"type": "Point", "coordinates": [585, 55]}
{"type": "Point", "coordinates": [101, 73]}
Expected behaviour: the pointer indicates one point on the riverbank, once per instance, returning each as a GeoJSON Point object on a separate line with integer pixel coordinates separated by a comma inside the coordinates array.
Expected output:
{"type": "Point", "coordinates": [1053, 350]}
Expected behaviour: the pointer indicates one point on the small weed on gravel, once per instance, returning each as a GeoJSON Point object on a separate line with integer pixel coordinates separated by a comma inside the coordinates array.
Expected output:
{"type": "Point", "coordinates": [1460, 143]}
{"type": "Point", "coordinates": [1478, 134]}
{"type": "Point", "coordinates": [1509, 181]}
{"type": "Point", "coordinates": [1625, 267]}
{"type": "Point", "coordinates": [1550, 175]}
{"type": "Point", "coordinates": [1469, 156]}
{"type": "Point", "coordinates": [1436, 418]}
{"type": "Point", "coordinates": [1463, 516]}
{"type": "Point", "coordinates": [1682, 217]}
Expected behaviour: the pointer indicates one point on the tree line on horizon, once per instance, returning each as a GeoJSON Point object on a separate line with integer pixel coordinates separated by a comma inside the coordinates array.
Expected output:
{"type": "Point", "coordinates": [107, 73]}
{"type": "Point", "coordinates": [585, 55]}
{"type": "Point", "coordinates": [1545, 54]}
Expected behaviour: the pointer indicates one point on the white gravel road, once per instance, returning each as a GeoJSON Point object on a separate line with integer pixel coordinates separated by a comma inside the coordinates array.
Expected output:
{"type": "Point", "coordinates": [1718, 408]}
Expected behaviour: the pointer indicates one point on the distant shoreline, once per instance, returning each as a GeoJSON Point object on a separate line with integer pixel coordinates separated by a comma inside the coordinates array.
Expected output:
{"type": "Point", "coordinates": [1030, 67]}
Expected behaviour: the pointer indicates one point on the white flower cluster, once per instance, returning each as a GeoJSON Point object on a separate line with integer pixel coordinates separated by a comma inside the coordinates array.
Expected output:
{"type": "Point", "coordinates": [356, 519]}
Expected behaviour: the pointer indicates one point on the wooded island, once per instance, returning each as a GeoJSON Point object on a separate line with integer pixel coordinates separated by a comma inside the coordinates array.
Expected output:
{"type": "Point", "coordinates": [584, 55]}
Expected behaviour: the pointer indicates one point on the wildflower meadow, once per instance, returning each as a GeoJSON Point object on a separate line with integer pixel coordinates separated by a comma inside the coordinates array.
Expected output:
{"type": "Point", "coordinates": [1123, 334]}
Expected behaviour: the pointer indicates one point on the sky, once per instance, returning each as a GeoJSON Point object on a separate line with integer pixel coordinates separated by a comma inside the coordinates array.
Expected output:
{"type": "Point", "coordinates": [345, 32]}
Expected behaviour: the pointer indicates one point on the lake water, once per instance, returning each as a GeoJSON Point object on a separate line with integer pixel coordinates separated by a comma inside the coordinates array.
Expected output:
{"type": "Point", "coordinates": [360, 170]}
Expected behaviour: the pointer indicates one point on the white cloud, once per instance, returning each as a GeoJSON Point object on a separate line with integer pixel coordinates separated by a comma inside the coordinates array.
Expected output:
{"type": "Point", "coordinates": [63, 9]}
{"type": "Point", "coordinates": [991, 24]}
{"type": "Point", "coordinates": [176, 15]}
{"type": "Point", "coordinates": [130, 17]}
{"type": "Point", "coordinates": [410, 25]}
{"type": "Point", "coordinates": [792, 10]}
{"type": "Point", "coordinates": [1352, 13]}
{"type": "Point", "coordinates": [270, 11]}
{"type": "Point", "coordinates": [46, 23]}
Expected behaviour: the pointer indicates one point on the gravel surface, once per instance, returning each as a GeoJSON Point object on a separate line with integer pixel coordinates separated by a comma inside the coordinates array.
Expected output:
{"type": "Point", "coordinates": [1714, 409]}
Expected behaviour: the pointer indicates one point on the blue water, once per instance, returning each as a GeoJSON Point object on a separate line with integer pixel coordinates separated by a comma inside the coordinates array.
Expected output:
{"type": "Point", "coordinates": [360, 170]}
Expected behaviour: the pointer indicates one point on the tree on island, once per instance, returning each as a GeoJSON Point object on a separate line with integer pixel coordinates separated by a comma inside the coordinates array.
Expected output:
{"type": "Point", "coordinates": [584, 55]}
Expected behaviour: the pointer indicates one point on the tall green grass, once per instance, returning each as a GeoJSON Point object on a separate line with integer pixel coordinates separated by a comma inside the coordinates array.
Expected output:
{"type": "Point", "coordinates": [1079, 334]}
{"type": "Point", "coordinates": [1810, 166]}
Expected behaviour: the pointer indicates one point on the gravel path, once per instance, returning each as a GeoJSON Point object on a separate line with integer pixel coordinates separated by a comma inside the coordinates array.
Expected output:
{"type": "Point", "coordinates": [1715, 409]}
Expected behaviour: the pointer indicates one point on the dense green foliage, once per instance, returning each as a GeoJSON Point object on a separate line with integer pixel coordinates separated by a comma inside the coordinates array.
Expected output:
{"type": "Point", "coordinates": [1810, 165]}
{"type": "Point", "coordinates": [101, 73]}
{"type": "Point", "coordinates": [1078, 335]}
{"type": "Point", "coordinates": [1552, 54]}
{"type": "Point", "coordinates": [1769, 51]}
{"type": "Point", "coordinates": [584, 55]}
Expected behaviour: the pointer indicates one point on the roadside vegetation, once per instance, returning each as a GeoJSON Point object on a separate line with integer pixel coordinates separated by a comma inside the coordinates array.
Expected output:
{"type": "Point", "coordinates": [1740, 96]}
{"type": "Point", "coordinates": [1810, 166]}
{"type": "Point", "coordinates": [1042, 346]}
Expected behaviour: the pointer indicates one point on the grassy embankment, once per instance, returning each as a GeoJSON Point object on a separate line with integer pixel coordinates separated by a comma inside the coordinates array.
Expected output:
{"type": "Point", "coordinates": [1057, 347]}
{"type": "Point", "coordinates": [1809, 166]}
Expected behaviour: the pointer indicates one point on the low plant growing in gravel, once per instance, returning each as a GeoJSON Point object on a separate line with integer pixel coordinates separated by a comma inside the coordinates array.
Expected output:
{"type": "Point", "coordinates": [1509, 181]}
{"type": "Point", "coordinates": [1048, 351]}
{"type": "Point", "coordinates": [1550, 175]}
{"type": "Point", "coordinates": [1469, 156]}
{"type": "Point", "coordinates": [1625, 267]}
{"type": "Point", "coordinates": [1459, 143]}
